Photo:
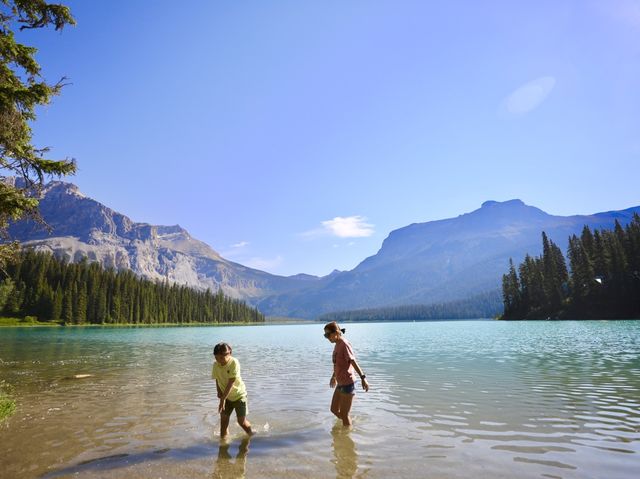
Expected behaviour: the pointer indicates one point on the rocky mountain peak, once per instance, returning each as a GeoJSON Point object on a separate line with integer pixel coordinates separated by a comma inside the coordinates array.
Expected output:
{"type": "Point", "coordinates": [496, 213]}
{"type": "Point", "coordinates": [61, 188]}
{"type": "Point", "coordinates": [502, 204]}
{"type": "Point", "coordinates": [81, 227]}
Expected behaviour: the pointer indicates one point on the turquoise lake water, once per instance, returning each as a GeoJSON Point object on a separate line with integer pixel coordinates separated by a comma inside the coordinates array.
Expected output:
{"type": "Point", "coordinates": [482, 399]}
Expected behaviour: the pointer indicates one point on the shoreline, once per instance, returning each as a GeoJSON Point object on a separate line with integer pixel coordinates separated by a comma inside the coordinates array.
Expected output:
{"type": "Point", "coordinates": [17, 323]}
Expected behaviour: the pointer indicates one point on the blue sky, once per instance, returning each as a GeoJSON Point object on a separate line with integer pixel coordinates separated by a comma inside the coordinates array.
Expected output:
{"type": "Point", "coordinates": [294, 136]}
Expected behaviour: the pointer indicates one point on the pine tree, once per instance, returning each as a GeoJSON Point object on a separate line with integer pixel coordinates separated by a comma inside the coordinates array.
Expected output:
{"type": "Point", "coordinates": [56, 310]}
{"type": "Point", "coordinates": [22, 90]}
{"type": "Point", "coordinates": [67, 307]}
{"type": "Point", "coordinates": [7, 289]}
{"type": "Point", "coordinates": [554, 275]}
{"type": "Point", "coordinates": [511, 292]}
{"type": "Point", "coordinates": [80, 307]}
{"type": "Point", "coordinates": [582, 276]}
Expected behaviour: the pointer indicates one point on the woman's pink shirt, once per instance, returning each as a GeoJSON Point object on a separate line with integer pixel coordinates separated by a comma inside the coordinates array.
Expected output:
{"type": "Point", "coordinates": [342, 356]}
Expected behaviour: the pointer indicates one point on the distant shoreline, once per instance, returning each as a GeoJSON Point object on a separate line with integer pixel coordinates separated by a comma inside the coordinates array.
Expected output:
{"type": "Point", "coordinates": [17, 323]}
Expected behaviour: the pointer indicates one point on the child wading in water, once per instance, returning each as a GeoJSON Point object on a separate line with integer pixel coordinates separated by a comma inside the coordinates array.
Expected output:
{"type": "Point", "coordinates": [231, 389]}
{"type": "Point", "coordinates": [344, 376]}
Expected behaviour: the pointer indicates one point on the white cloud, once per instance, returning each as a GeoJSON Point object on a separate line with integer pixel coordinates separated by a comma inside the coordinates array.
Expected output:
{"type": "Point", "coordinates": [529, 96]}
{"type": "Point", "coordinates": [343, 227]}
{"type": "Point", "coordinates": [348, 227]}
{"type": "Point", "coordinates": [241, 244]}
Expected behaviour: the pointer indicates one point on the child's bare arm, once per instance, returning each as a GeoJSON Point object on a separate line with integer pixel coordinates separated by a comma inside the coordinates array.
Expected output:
{"type": "Point", "coordinates": [223, 395]}
{"type": "Point", "coordinates": [227, 390]}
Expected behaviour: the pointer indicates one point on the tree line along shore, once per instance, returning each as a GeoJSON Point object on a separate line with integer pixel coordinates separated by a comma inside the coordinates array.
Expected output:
{"type": "Point", "coordinates": [602, 281]}
{"type": "Point", "coordinates": [42, 289]}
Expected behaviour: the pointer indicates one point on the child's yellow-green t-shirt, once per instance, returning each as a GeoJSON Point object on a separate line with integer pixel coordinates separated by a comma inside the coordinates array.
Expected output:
{"type": "Point", "coordinates": [222, 374]}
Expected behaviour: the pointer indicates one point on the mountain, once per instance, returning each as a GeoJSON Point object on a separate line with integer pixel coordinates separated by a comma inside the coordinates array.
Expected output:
{"type": "Point", "coordinates": [423, 263]}
{"type": "Point", "coordinates": [441, 261]}
{"type": "Point", "coordinates": [82, 227]}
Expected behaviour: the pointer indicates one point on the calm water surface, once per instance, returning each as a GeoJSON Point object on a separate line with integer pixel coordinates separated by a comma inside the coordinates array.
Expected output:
{"type": "Point", "coordinates": [457, 399]}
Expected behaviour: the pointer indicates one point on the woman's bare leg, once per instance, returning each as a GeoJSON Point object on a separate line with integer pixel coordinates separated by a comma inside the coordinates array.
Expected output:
{"type": "Point", "coordinates": [335, 403]}
{"type": "Point", "coordinates": [346, 400]}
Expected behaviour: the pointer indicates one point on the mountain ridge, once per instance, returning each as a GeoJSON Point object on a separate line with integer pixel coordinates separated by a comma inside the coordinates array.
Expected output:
{"type": "Point", "coordinates": [421, 263]}
{"type": "Point", "coordinates": [443, 260]}
{"type": "Point", "coordinates": [83, 227]}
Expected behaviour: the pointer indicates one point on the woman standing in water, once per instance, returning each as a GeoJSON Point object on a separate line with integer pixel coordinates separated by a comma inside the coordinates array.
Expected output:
{"type": "Point", "coordinates": [345, 373]}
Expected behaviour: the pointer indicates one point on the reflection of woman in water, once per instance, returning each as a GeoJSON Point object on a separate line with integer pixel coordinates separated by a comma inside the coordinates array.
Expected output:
{"type": "Point", "coordinates": [228, 469]}
{"type": "Point", "coordinates": [344, 450]}
{"type": "Point", "coordinates": [344, 376]}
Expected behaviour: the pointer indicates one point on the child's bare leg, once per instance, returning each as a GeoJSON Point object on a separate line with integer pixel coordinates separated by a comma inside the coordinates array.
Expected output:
{"type": "Point", "coordinates": [224, 425]}
{"type": "Point", "coordinates": [346, 400]}
{"type": "Point", "coordinates": [244, 424]}
{"type": "Point", "coordinates": [335, 403]}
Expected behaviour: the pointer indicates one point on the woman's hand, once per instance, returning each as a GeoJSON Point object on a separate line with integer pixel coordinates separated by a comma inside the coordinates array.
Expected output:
{"type": "Point", "coordinates": [221, 406]}
{"type": "Point", "coordinates": [332, 383]}
{"type": "Point", "coordinates": [365, 385]}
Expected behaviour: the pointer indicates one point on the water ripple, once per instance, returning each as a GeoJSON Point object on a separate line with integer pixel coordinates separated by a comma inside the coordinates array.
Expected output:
{"type": "Point", "coordinates": [548, 399]}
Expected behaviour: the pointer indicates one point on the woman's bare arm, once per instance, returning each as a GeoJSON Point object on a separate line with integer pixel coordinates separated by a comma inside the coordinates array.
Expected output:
{"type": "Point", "coordinates": [365, 384]}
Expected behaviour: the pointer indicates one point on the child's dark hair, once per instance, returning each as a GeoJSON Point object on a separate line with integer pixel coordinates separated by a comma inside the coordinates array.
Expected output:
{"type": "Point", "coordinates": [334, 328]}
{"type": "Point", "coordinates": [221, 348]}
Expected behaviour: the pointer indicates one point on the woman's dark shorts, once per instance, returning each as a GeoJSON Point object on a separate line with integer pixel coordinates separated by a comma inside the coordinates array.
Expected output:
{"type": "Point", "coordinates": [347, 388]}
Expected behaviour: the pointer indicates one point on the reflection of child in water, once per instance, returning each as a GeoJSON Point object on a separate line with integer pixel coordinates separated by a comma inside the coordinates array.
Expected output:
{"type": "Point", "coordinates": [231, 389]}
{"type": "Point", "coordinates": [225, 468]}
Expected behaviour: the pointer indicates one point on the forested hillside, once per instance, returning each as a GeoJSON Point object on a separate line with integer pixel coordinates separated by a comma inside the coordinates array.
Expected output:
{"type": "Point", "coordinates": [41, 286]}
{"type": "Point", "coordinates": [602, 281]}
{"type": "Point", "coordinates": [487, 305]}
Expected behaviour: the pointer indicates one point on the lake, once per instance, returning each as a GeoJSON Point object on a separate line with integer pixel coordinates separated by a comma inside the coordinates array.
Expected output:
{"type": "Point", "coordinates": [482, 399]}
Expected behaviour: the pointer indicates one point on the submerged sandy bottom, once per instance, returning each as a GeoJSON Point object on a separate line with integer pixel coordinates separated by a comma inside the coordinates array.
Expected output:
{"type": "Point", "coordinates": [448, 400]}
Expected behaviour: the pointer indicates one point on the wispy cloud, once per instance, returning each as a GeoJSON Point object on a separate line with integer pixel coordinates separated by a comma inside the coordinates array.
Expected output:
{"type": "Point", "coordinates": [235, 250]}
{"type": "Point", "coordinates": [343, 227]}
{"type": "Point", "coordinates": [624, 11]}
{"type": "Point", "coordinates": [241, 253]}
{"type": "Point", "coordinates": [350, 243]}
{"type": "Point", "coordinates": [264, 263]}
{"type": "Point", "coordinates": [529, 96]}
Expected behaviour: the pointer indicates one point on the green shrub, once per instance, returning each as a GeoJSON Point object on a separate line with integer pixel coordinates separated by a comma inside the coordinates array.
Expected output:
{"type": "Point", "coordinates": [7, 404]}
{"type": "Point", "coordinates": [10, 321]}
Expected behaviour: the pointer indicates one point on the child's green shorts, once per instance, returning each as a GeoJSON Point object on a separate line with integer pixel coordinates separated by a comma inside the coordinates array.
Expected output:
{"type": "Point", "coordinates": [241, 407]}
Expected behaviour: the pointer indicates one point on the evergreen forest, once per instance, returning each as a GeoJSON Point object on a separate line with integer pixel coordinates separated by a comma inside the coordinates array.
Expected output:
{"type": "Point", "coordinates": [487, 305]}
{"type": "Point", "coordinates": [38, 286]}
{"type": "Point", "coordinates": [602, 280]}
